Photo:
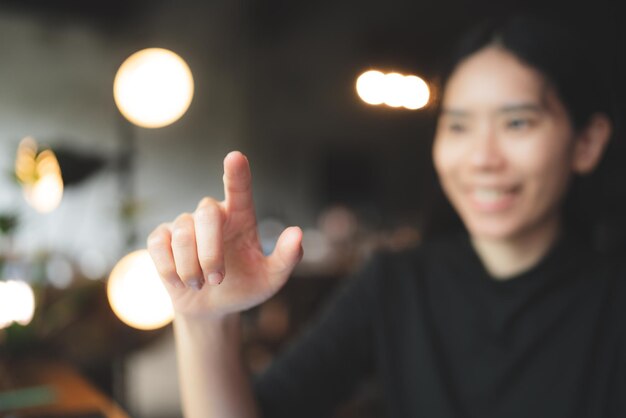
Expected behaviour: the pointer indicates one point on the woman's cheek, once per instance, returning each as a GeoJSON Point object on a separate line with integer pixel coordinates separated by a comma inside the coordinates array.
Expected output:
{"type": "Point", "coordinates": [446, 156]}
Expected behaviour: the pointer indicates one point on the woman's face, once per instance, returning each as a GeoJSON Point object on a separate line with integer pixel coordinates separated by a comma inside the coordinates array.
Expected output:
{"type": "Point", "coordinates": [504, 147]}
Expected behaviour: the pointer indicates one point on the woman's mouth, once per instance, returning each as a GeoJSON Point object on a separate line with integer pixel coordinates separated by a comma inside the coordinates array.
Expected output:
{"type": "Point", "coordinates": [493, 199]}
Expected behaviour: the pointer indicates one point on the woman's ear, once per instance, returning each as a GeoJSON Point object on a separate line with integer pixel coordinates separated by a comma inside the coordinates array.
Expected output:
{"type": "Point", "coordinates": [591, 143]}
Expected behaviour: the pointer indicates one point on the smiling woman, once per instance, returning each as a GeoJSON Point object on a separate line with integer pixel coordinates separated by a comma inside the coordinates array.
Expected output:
{"type": "Point", "coordinates": [563, 74]}
{"type": "Point", "coordinates": [517, 315]}
{"type": "Point", "coordinates": [506, 151]}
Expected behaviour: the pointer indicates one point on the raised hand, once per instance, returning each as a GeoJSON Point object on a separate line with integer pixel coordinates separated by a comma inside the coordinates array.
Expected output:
{"type": "Point", "coordinates": [211, 260]}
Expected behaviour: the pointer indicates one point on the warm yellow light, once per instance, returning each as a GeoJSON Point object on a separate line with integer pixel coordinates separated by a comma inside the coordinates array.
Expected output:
{"type": "Point", "coordinates": [47, 163]}
{"type": "Point", "coordinates": [370, 87]}
{"type": "Point", "coordinates": [17, 303]}
{"type": "Point", "coordinates": [394, 94]}
{"type": "Point", "coordinates": [153, 88]}
{"type": "Point", "coordinates": [416, 93]}
{"type": "Point", "coordinates": [393, 89]}
{"type": "Point", "coordinates": [40, 176]}
{"type": "Point", "coordinates": [25, 165]}
{"type": "Point", "coordinates": [46, 194]}
{"type": "Point", "coordinates": [136, 293]}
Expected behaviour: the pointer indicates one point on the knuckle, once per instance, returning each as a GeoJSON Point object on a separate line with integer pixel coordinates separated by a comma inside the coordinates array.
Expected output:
{"type": "Point", "coordinates": [209, 261]}
{"type": "Point", "coordinates": [240, 184]}
{"type": "Point", "coordinates": [157, 239]}
{"type": "Point", "coordinates": [183, 219]}
{"type": "Point", "coordinates": [183, 230]}
{"type": "Point", "coordinates": [183, 236]}
{"type": "Point", "coordinates": [207, 200]}
{"type": "Point", "coordinates": [182, 222]}
{"type": "Point", "coordinates": [208, 213]}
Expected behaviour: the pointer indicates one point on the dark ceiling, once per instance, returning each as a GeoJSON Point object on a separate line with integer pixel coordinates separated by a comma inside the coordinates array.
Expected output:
{"type": "Point", "coordinates": [380, 23]}
{"type": "Point", "coordinates": [97, 11]}
{"type": "Point", "coordinates": [272, 16]}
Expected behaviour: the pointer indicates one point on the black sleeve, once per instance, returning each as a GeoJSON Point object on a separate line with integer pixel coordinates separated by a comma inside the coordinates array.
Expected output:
{"type": "Point", "coordinates": [322, 367]}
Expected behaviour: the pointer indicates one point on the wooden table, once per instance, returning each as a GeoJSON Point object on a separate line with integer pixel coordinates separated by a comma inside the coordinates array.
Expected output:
{"type": "Point", "coordinates": [51, 389]}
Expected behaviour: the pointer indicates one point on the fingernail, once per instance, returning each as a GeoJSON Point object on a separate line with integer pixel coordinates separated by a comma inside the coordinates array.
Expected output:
{"type": "Point", "coordinates": [195, 284]}
{"type": "Point", "coordinates": [215, 278]}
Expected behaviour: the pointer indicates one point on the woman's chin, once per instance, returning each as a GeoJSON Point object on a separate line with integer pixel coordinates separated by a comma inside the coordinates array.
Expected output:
{"type": "Point", "coordinates": [493, 231]}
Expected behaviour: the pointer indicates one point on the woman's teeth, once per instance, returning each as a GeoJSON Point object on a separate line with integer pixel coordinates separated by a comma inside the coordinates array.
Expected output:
{"type": "Point", "coordinates": [490, 195]}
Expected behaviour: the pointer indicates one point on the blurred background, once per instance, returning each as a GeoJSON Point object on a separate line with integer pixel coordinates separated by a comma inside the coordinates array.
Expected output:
{"type": "Point", "coordinates": [82, 185]}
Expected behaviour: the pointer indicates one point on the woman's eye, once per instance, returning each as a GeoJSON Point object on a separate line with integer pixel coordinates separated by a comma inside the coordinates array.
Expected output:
{"type": "Point", "coordinates": [518, 124]}
{"type": "Point", "coordinates": [456, 127]}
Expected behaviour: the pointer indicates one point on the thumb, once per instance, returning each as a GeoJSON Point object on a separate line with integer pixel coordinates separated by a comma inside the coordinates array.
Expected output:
{"type": "Point", "coordinates": [285, 257]}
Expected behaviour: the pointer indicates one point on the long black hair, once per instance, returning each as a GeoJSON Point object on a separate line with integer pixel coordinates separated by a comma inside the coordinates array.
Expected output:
{"type": "Point", "coordinates": [571, 67]}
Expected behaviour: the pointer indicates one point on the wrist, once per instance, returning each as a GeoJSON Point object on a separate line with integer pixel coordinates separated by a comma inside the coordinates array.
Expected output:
{"type": "Point", "coordinates": [208, 328]}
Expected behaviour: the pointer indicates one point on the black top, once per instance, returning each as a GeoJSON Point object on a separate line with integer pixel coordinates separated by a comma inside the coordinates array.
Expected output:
{"type": "Point", "coordinates": [448, 340]}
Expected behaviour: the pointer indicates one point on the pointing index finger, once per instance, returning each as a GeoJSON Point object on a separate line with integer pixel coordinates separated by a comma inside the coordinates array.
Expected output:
{"type": "Point", "coordinates": [237, 182]}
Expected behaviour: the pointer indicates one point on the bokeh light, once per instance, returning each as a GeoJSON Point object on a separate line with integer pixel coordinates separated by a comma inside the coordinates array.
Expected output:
{"type": "Point", "coordinates": [92, 264]}
{"type": "Point", "coordinates": [17, 303]}
{"type": "Point", "coordinates": [370, 87]}
{"type": "Point", "coordinates": [25, 161]}
{"type": "Point", "coordinates": [136, 293]}
{"type": "Point", "coordinates": [393, 89]}
{"type": "Point", "coordinates": [416, 93]}
{"type": "Point", "coordinates": [40, 176]}
{"type": "Point", "coordinates": [315, 245]}
{"type": "Point", "coordinates": [46, 194]}
{"type": "Point", "coordinates": [153, 88]}
{"type": "Point", "coordinates": [59, 272]}
{"type": "Point", "coordinates": [338, 223]}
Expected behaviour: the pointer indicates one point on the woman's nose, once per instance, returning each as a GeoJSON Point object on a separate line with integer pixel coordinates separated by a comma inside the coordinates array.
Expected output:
{"type": "Point", "coordinates": [487, 152]}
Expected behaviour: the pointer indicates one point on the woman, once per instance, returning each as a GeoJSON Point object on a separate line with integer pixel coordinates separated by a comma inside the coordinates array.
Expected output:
{"type": "Point", "coordinates": [514, 317]}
